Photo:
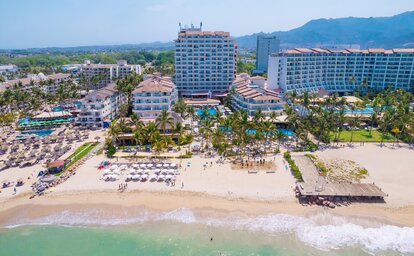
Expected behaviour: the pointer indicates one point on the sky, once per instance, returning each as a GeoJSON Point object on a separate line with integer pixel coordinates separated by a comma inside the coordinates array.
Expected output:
{"type": "Point", "coordinates": [61, 23]}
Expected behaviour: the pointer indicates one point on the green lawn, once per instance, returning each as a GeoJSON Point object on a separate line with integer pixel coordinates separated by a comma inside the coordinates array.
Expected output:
{"type": "Point", "coordinates": [81, 152]}
{"type": "Point", "coordinates": [363, 136]}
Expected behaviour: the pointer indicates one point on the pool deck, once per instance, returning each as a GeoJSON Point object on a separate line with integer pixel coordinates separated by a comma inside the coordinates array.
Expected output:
{"type": "Point", "coordinates": [315, 185]}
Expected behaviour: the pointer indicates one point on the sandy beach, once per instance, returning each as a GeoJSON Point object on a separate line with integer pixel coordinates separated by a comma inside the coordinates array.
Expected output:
{"type": "Point", "coordinates": [222, 188]}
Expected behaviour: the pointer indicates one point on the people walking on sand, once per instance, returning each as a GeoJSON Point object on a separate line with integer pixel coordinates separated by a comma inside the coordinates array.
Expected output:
{"type": "Point", "coordinates": [182, 185]}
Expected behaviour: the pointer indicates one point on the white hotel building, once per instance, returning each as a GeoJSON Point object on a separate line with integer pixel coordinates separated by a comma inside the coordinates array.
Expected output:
{"type": "Point", "coordinates": [101, 106]}
{"type": "Point", "coordinates": [154, 94]}
{"type": "Point", "coordinates": [310, 69]}
{"type": "Point", "coordinates": [251, 94]}
{"type": "Point", "coordinates": [106, 73]}
{"type": "Point", "coordinates": [48, 84]}
{"type": "Point", "coordinates": [205, 62]}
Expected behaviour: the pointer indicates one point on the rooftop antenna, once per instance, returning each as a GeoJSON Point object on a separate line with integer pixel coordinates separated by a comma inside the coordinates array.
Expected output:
{"type": "Point", "coordinates": [179, 24]}
{"type": "Point", "coordinates": [201, 25]}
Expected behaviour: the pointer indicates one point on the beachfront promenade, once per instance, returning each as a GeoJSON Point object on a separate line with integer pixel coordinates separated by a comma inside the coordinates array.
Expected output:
{"type": "Point", "coordinates": [315, 185]}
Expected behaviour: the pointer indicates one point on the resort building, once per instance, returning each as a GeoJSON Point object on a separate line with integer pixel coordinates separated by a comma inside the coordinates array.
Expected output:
{"type": "Point", "coordinates": [49, 84]}
{"type": "Point", "coordinates": [205, 62]}
{"type": "Point", "coordinates": [251, 96]}
{"type": "Point", "coordinates": [100, 75]}
{"type": "Point", "coordinates": [154, 94]}
{"type": "Point", "coordinates": [101, 106]}
{"type": "Point", "coordinates": [310, 69]}
{"type": "Point", "coordinates": [8, 68]}
{"type": "Point", "coordinates": [266, 45]}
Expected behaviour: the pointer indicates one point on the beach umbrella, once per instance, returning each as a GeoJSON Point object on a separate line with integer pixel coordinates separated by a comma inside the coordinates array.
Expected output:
{"type": "Point", "coordinates": [140, 171]}
{"type": "Point", "coordinates": [158, 165]}
{"type": "Point", "coordinates": [150, 165]}
{"type": "Point", "coordinates": [166, 165]}
{"type": "Point", "coordinates": [144, 176]}
{"type": "Point", "coordinates": [164, 171]}
{"type": "Point", "coordinates": [157, 171]}
{"type": "Point", "coordinates": [3, 147]}
{"type": "Point", "coordinates": [143, 165]}
{"type": "Point", "coordinates": [171, 171]}
{"type": "Point", "coordinates": [161, 177]}
{"type": "Point", "coordinates": [135, 177]}
{"type": "Point", "coordinates": [113, 167]}
{"type": "Point", "coordinates": [173, 165]}
{"type": "Point", "coordinates": [153, 177]}
{"type": "Point", "coordinates": [168, 177]}
{"type": "Point", "coordinates": [135, 165]}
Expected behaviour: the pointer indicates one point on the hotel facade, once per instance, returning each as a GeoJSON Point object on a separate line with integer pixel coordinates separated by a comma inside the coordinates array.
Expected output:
{"type": "Point", "coordinates": [101, 106]}
{"type": "Point", "coordinates": [48, 84]}
{"type": "Point", "coordinates": [205, 62]}
{"type": "Point", "coordinates": [311, 69]}
{"type": "Point", "coordinates": [266, 45]}
{"type": "Point", "coordinates": [154, 94]}
{"type": "Point", "coordinates": [100, 75]}
{"type": "Point", "coordinates": [251, 94]}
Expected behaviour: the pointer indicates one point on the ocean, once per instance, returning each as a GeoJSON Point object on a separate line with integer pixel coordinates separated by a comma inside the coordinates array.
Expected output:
{"type": "Point", "coordinates": [189, 232]}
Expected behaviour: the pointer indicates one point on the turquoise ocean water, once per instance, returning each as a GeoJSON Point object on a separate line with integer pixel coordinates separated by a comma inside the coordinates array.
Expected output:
{"type": "Point", "coordinates": [184, 233]}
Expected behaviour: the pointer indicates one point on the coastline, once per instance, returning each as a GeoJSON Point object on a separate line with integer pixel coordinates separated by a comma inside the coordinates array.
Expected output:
{"type": "Point", "coordinates": [118, 204]}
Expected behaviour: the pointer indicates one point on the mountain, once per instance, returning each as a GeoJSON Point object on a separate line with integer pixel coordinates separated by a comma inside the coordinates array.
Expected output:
{"type": "Point", "coordinates": [385, 32]}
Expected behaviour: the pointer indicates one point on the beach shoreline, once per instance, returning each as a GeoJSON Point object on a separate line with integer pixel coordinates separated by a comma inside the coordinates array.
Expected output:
{"type": "Point", "coordinates": [117, 204]}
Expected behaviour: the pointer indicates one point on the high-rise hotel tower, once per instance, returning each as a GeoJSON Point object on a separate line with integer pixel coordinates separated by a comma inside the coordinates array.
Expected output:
{"type": "Point", "coordinates": [310, 69]}
{"type": "Point", "coordinates": [205, 62]}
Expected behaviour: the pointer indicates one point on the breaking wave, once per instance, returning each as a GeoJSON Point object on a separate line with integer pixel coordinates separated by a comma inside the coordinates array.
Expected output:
{"type": "Point", "coordinates": [323, 231]}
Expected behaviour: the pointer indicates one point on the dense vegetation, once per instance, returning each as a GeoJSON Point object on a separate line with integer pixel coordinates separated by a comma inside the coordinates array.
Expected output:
{"type": "Point", "coordinates": [47, 62]}
{"type": "Point", "coordinates": [293, 167]}
{"type": "Point", "coordinates": [326, 119]}
{"type": "Point", "coordinates": [244, 67]}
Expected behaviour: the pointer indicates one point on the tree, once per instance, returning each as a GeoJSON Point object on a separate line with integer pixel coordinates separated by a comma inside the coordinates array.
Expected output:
{"type": "Point", "coordinates": [180, 107]}
{"type": "Point", "coordinates": [136, 121]}
{"type": "Point", "coordinates": [164, 119]}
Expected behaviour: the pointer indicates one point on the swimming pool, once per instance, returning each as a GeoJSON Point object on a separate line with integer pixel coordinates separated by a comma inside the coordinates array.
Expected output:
{"type": "Point", "coordinates": [57, 109]}
{"type": "Point", "coordinates": [211, 111]}
{"type": "Point", "coordinates": [285, 132]}
{"type": "Point", "coordinates": [366, 110]}
{"type": "Point", "coordinates": [40, 133]}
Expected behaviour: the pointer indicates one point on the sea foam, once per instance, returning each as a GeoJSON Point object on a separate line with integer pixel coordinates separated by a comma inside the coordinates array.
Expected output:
{"type": "Point", "coordinates": [323, 231]}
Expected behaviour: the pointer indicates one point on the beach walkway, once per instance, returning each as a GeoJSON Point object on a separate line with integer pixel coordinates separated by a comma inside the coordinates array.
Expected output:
{"type": "Point", "coordinates": [315, 185]}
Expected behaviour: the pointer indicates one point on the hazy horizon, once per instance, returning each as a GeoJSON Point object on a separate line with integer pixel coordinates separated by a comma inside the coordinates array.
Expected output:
{"type": "Point", "coordinates": [72, 23]}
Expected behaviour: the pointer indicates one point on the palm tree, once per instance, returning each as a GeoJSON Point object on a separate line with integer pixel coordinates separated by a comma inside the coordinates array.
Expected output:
{"type": "Point", "coordinates": [180, 107]}
{"type": "Point", "coordinates": [340, 123]}
{"type": "Point", "coordinates": [136, 121]}
{"type": "Point", "coordinates": [218, 117]}
{"type": "Point", "coordinates": [164, 119]}
{"type": "Point", "coordinates": [179, 129]}
{"type": "Point", "coordinates": [151, 131]}
{"type": "Point", "coordinates": [279, 136]}
{"type": "Point", "coordinates": [206, 129]}
{"type": "Point", "coordinates": [273, 116]}
{"type": "Point", "coordinates": [258, 115]}
{"type": "Point", "coordinates": [114, 131]}
{"type": "Point", "coordinates": [354, 122]}
{"type": "Point", "coordinates": [139, 137]}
